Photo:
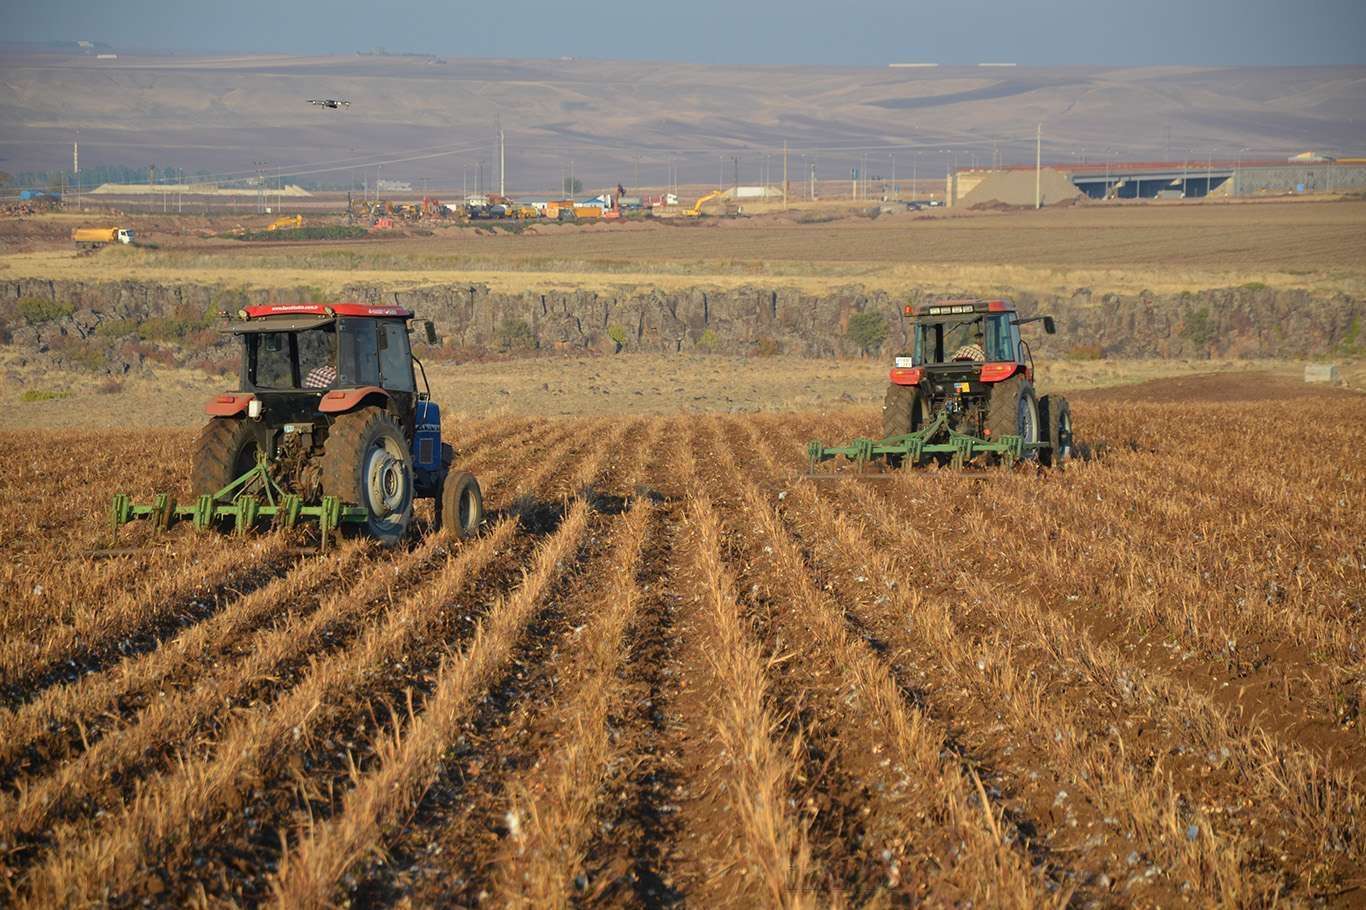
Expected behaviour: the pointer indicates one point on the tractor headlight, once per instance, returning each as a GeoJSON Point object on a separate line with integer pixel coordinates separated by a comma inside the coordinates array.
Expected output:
{"type": "Point", "coordinates": [242, 314]}
{"type": "Point", "coordinates": [254, 409]}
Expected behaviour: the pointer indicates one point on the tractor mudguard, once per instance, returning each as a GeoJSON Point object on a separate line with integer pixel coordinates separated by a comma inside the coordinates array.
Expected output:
{"type": "Point", "coordinates": [339, 401]}
{"type": "Point", "coordinates": [230, 404]}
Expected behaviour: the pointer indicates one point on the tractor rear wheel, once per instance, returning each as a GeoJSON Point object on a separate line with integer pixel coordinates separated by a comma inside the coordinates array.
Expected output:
{"type": "Point", "coordinates": [1013, 410]}
{"type": "Point", "coordinates": [460, 508]}
{"type": "Point", "coordinates": [366, 462]}
{"type": "Point", "coordinates": [224, 450]}
{"type": "Point", "coordinates": [1055, 417]}
{"type": "Point", "coordinates": [903, 410]}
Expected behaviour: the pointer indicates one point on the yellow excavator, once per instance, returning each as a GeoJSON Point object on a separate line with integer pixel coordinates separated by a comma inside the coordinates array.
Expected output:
{"type": "Point", "coordinates": [696, 210]}
{"type": "Point", "coordinates": [286, 221]}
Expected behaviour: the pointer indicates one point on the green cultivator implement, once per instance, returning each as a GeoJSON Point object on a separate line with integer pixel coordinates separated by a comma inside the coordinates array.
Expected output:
{"type": "Point", "coordinates": [919, 448]}
{"type": "Point", "coordinates": [254, 497]}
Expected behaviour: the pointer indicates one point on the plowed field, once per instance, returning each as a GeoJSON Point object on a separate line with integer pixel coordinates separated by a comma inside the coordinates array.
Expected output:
{"type": "Point", "coordinates": [670, 673]}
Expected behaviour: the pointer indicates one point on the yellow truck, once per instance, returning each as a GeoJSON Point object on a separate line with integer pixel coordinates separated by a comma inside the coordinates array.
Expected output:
{"type": "Point", "coordinates": [89, 238]}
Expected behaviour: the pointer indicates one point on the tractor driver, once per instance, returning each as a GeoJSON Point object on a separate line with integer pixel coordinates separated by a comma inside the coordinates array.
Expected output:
{"type": "Point", "coordinates": [318, 358]}
{"type": "Point", "coordinates": [976, 350]}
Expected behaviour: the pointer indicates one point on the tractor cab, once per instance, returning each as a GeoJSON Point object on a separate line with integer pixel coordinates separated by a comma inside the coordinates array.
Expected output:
{"type": "Point", "coordinates": [972, 341]}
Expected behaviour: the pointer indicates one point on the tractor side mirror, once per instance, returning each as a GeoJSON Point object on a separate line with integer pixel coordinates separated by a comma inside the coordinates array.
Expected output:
{"type": "Point", "coordinates": [1049, 326]}
{"type": "Point", "coordinates": [429, 331]}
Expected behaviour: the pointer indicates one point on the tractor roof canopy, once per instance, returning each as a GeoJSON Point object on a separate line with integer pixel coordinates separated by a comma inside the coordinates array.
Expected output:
{"type": "Point", "coordinates": [259, 311]}
{"type": "Point", "coordinates": [958, 307]}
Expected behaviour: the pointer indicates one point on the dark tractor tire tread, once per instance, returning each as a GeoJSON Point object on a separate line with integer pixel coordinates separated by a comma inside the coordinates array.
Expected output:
{"type": "Point", "coordinates": [341, 464]}
{"type": "Point", "coordinates": [448, 514]}
{"type": "Point", "coordinates": [1053, 412]}
{"type": "Point", "coordinates": [902, 409]}
{"type": "Point", "coordinates": [217, 450]}
{"type": "Point", "coordinates": [1003, 407]}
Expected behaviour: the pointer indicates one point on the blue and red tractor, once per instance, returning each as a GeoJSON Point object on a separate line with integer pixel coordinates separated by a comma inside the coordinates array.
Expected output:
{"type": "Point", "coordinates": [327, 424]}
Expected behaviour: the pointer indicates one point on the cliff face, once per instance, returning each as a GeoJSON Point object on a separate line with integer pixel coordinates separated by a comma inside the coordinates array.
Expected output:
{"type": "Point", "coordinates": [1251, 321]}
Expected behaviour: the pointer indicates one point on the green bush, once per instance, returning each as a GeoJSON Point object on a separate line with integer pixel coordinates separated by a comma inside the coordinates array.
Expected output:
{"type": "Point", "coordinates": [1198, 327]}
{"type": "Point", "coordinates": [617, 333]}
{"type": "Point", "coordinates": [708, 341]}
{"type": "Point", "coordinates": [867, 330]}
{"type": "Point", "coordinates": [37, 310]}
{"type": "Point", "coordinates": [1350, 346]}
{"type": "Point", "coordinates": [43, 395]}
{"type": "Point", "coordinates": [117, 328]}
{"type": "Point", "coordinates": [516, 335]}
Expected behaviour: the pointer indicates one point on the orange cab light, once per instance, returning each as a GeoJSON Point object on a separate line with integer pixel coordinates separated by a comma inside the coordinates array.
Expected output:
{"type": "Point", "coordinates": [908, 309]}
{"type": "Point", "coordinates": [906, 375]}
{"type": "Point", "coordinates": [996, 306]}
{"type": "Point", "coordinates": [995, 372]}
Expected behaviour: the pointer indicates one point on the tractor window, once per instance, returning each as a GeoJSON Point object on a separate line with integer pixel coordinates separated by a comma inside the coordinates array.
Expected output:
{"type": "Point", "coordinates": [359, 352]}
{"type": "Point", "coordinates": [395, 358]}
{"type": "Point", "coordinates": [964, 340]}
{"type": "Point", "coordinates": [318, 358]}
{"type": "Point", "coordinates": [998, 337]}
{"type": "Point", "coordinates": [271, 361]}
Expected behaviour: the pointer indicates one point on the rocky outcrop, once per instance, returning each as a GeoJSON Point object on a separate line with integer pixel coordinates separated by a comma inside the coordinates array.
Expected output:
{"type": "Point", "coordinates": [1251, 321]}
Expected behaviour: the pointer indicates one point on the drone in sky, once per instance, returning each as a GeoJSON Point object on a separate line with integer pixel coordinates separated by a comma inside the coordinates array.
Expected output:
{"type": "Point", "coordinates": [329, 102]}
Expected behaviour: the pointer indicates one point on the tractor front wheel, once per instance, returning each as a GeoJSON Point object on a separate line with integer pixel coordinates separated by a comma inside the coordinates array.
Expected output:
{"type": "Point", "coordinates": [224, 450]}
{"type": "Point", "coordinates": [366, 462]}
{"type": "Point", "coordinates": [1055, 416]}
{"type": "Point", "coordinates": [1013, 410]}
{"type": "Point", "coordinates": [460, 508]}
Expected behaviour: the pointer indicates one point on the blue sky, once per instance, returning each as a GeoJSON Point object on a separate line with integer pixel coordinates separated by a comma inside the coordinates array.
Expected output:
{"type": "Point", "coordinates": [863, 32]}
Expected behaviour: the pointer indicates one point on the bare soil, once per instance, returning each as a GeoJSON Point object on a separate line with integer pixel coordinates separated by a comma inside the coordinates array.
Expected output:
{"type": "Point", "coordinates": [670, 672]}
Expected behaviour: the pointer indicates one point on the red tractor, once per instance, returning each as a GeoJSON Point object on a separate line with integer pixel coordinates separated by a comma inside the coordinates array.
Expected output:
{"type": "Point", "coordinates": [964, 390]}
{"type": "Point", "coordinates": [327, 423]}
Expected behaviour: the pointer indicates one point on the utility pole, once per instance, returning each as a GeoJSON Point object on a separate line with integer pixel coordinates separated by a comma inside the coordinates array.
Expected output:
{"type": "Point", "coordinates": [76, 166]}
{"type": "Point", "coordinates": [735, 165]}
{"type": "Point", "coordinates": [1038, 165]}
{"type": "Point", "coordinates": [502, 161]}
{"type": "Point", "coordinates": [895, 195]}
{"type": "Point", "coordinates": [813, 181]}
{"type": "Point", "coordinates": [787, 187]}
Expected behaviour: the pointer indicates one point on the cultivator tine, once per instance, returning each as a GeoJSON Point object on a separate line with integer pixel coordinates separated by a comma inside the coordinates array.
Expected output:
{"type": "Point", "coordinates": [289, 509]}
{"type": "Point", "coordinates": [123, 510]}
{"type": "Point", "coordinates": [204, 512]}
{"type": "Point", "coordinates": [329, 518]}
{"type": "Point", "coordinates": [247, 508]}
{"type": "Point", "coordinates": [163, 511]}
